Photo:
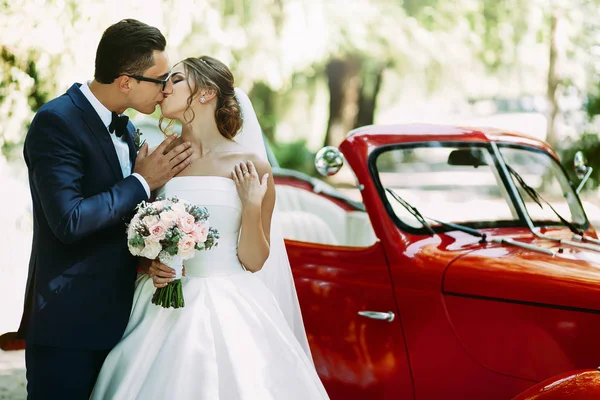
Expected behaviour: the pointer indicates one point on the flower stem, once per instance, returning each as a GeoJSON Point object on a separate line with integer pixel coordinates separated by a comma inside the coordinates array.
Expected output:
{"type": "Point", "coordinates": [170, 296]}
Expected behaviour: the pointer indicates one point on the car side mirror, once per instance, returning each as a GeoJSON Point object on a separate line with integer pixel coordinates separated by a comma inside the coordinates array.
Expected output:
{"type": "Point", "coordinates": [579, 164]}
{"type": "Point", "coordinates": [329, 160]}
{"type": "Point", "coordinates": [582, 171]}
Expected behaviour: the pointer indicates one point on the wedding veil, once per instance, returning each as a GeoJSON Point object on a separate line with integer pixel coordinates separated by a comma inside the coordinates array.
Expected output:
{"type": "Point", "coordinates": [276, 273]}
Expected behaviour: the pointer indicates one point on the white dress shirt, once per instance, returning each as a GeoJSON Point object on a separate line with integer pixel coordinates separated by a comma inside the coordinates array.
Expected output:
{"type": "Point", "coordinates": [121, 146]}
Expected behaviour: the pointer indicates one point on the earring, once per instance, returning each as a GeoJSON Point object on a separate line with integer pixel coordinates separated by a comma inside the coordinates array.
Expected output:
{"type": "Point", "coordinates": [202, 100]}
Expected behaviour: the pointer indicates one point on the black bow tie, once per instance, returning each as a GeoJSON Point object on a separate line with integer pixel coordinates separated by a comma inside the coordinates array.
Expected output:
{"type": "Point", "coordinates": [118, 124]}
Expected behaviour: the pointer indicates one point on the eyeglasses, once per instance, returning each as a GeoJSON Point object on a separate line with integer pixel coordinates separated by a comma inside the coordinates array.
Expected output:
{"type": "Point", "coordinates": [162, 82]}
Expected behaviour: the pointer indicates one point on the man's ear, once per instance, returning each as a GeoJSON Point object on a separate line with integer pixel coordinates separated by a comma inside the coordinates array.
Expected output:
{"type": "Point", "coordinates": [124, 83]}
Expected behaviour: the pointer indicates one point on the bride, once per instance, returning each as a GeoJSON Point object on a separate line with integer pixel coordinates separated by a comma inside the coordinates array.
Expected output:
{"type": "Point", "coordinates": [240, 334]}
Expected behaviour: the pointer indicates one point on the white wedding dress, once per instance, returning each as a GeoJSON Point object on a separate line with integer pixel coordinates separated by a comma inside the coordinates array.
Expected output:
{"type": "Point", "coordinates": [230, 341]}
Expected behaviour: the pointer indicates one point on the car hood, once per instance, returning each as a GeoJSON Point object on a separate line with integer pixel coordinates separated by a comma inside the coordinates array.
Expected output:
{"type": "Point", "coordinates": [569, 278]}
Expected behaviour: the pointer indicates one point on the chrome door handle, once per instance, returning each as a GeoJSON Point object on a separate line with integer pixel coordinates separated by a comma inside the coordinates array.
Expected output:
{"type": "Point", "coordinates": [383, 316]}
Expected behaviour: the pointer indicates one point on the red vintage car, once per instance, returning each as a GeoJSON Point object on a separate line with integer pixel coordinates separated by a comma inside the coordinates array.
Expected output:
{"type": "Point", "coordinates": [460, 265]}
{"type": "Point", "coordinates": [466, 268]}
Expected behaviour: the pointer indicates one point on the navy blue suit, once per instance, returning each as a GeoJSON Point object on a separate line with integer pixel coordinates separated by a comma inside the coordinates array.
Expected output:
{"type": "Point", "coordinates": [81, 275]}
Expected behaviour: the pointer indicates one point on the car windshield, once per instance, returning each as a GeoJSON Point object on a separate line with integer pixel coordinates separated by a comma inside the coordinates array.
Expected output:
{"type": "Point", "coordinates": [542, 173]}
{"type": "Point", "coordinates": [450, 182]}
{"type": "Point", "coordinates": [461, 183]}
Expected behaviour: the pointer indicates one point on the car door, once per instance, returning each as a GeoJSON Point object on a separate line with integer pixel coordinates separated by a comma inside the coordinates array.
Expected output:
{"type": "Point", "coordinates": [351, 320]}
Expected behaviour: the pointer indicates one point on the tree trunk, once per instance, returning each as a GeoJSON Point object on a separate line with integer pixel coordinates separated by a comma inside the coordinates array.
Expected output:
{"type": "Point", "coordinates": [367, 101]}
{"type": "Point", "coordinates": [344, 86]}
{"type": "Point", "coordinates": [553, 81]}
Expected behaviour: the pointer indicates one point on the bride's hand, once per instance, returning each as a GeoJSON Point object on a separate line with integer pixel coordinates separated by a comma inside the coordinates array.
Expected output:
{"type": "Point", "coordinates": [161, 274]}
{"type": "Point", "coordinates": [250, 189]}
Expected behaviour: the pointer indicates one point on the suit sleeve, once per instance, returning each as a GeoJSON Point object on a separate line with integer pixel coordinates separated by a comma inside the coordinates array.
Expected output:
{"type": "Point", "coordinates": [55, 160]}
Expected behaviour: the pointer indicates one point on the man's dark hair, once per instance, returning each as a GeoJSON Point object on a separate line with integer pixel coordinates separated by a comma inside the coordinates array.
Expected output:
{"type": "Point", "coordinates": [127, 48]}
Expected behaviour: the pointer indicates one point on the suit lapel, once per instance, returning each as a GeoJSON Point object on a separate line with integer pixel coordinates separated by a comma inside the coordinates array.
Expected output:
{"type": "Point", "coordinates": [132, 149]}
{"type": "Point", "coordinates": [97, 128]}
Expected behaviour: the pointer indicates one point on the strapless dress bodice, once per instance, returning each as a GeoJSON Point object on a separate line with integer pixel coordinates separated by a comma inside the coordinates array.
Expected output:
{"type": "Point", "coordinates": [219, 196]}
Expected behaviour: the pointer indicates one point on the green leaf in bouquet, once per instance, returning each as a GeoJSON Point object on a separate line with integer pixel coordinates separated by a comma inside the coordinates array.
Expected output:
{"type": "Point", "coordinates": [199, 213]}
{"type": "Point", "coordinates": [172, 250]}
{"type": "Point", "coordinates": [137, 241]}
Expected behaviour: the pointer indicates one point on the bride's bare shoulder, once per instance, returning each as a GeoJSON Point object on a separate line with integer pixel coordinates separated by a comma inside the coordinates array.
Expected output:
{"type": "Point", "coordinates": [261, 165]}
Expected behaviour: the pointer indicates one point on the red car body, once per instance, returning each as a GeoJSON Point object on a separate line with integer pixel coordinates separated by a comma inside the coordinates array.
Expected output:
{"type": "Point", "coordinates": [455, 317]}
{"type": "Point", "coordinates": [472, 320]}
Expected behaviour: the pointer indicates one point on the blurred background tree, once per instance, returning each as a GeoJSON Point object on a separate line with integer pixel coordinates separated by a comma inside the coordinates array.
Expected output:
{"type": "Point", "coordinates": [318, 69]}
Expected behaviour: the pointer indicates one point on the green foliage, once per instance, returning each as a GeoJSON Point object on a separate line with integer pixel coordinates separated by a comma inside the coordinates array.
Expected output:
{"type": "Point", "coordinates": [280, 48]}
{"type": "Point", "coordinates": [21, 94]}
{"type": "Point", "coordinates": [295, 155]}
{"type": "Point", "coordinates": [264, 102]}
{"type": "Point", "coordinates": [169, 243]}
{"type": "Point", "coordinates": [137, 241]}
{"type": "Point", "coordinates": [592, 106]}
{"type": "Point", "coordinates": [589, 144]}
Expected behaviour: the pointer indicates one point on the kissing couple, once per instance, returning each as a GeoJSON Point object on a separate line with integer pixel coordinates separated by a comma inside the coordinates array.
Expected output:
{"type": "Point", "coordinates": [90, 326]}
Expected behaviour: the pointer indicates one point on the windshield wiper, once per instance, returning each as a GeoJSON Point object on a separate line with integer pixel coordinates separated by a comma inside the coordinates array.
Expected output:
{"type": "Point", "coordinates": [412, 210]}
{"type": "Point", "coordinates": [535, 196]}
{"type": "Point", "coordinates": [422, 219]}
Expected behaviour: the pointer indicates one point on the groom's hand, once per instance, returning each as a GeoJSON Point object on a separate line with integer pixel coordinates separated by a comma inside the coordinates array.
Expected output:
{"type": "Point", "coordinates": [158, 167]}
{"type": "Point", "coordinates": [161, 274]}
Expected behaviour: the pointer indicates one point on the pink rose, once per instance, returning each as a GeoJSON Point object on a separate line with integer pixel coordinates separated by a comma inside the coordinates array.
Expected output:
{"type": "Point", "coordinates": [185, 247]}
{"type": "Point", "coordinates": [186, 223]}
{"type": "Point", "coordinates": [200, 234]}
{"type": "Point", "coordinates": [157, 231]}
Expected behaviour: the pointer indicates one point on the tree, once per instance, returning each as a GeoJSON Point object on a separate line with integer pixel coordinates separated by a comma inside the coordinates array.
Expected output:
{"type": "Point", "coordinates": [571, 38]}
{"type": "Point", "coordinates": [553, 78]}
{"type": "Point", "coordinates": [367, 39]}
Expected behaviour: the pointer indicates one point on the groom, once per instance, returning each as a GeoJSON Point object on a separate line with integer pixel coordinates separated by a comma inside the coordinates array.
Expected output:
{"type": "Point", "coordinates": [85, 182]}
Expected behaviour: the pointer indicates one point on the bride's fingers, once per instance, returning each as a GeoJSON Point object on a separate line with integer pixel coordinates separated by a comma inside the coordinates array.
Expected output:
{"type": "Point", "coordinates": [238, 171]}
{"type": "Point", "coordinates": [161, 270]}
{"type": "Point", "coordinates": [251, 169]}
{"type": "Point", "coordinates": [263, 181]}
{"type": "Point", "coordinates": [161, 282]}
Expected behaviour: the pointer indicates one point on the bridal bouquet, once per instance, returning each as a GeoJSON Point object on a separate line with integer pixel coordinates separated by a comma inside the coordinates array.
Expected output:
{"type": "Point", "coordinates": [170, 230]}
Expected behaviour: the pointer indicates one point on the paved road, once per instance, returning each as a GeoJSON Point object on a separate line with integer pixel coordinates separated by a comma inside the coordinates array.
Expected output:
{"type": "Point", "coordinates": [12, 375]}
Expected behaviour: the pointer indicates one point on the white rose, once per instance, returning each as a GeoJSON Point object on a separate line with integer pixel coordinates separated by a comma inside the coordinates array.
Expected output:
{"type": "Point", "coordinates": [132, 225]}
{"type": "Point", "coordinates": [151, 249]}
{"type": "Point", "coordinates": [168, 217]}
{"type": "Point", "coordinates": [150, 220]}
{"type": "Point", "coordinates": [136, 251]}
{"type": "Point", "coordinates": [179, 208]}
